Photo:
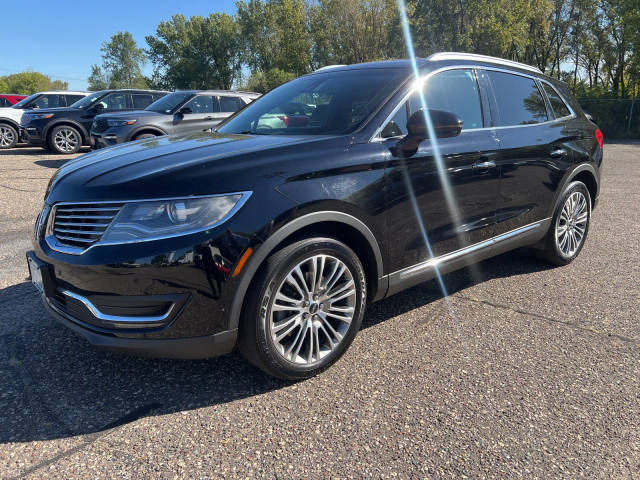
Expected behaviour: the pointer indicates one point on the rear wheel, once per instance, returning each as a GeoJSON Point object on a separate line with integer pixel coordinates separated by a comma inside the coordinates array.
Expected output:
{"type": "Point", "coordinates": [8, 136]}
{"type": "Point", "coordinates": [65, 139]}
{"type": "Point", "coordinates": [304, 310]}
{"type": "Point", "coordinates": [569, 226]}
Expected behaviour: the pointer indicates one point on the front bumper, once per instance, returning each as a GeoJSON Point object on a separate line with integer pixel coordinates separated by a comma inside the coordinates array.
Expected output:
{"type": "Point", "coordinates": [181, 348]}
{"type": "Point", "coordinates": [106, 139]}
{"type": "Point", "coordinates": [31, 135]}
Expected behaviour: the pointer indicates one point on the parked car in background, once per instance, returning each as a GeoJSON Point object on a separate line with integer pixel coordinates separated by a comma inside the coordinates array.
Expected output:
{"type": "Point", "coordinates": [65, 130]}
{"type": "Point", "coordinates": [10, 99]}
{"type": "Point", "coordinates": [179, 112]}
{"type": "Point", "coordinates": [10, 117]}
{"type": "Point", "coordinates": [276, 239]}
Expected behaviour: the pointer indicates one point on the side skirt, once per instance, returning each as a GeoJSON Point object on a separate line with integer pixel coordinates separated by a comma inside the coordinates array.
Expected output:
{"type": "Point", "coordinates": [520, 237]}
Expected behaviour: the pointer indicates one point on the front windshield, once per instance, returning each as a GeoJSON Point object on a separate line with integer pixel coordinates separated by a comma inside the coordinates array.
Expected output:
{"type": "Point", "coordinates": [331, 103]}
{"type": "Point", "coordinates": [25, 101]}
{"type": "Point", "coordinates": [169, 103]}
{"type": "Point", "coordinates": [88, 100]}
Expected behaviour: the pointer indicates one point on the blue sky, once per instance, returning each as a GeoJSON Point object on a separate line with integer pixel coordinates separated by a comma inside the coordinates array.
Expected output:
{"type": "Point", "coordinates": [62, 38]}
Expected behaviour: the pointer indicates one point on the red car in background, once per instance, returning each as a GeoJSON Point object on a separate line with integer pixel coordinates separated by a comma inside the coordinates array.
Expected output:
{"type": "Point", "coordinates": [9, 99]}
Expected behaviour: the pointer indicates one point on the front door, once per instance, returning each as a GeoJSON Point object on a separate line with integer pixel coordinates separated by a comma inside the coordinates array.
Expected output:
{"type": "Point", "coordinates": [442, 203]}
{"type": "Point", "coordinates": [113, 102]}
{"type": "Point", "coordinates": [201, 115]}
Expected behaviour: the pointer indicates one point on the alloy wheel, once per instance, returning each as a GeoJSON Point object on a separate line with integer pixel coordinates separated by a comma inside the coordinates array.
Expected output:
{"type": "Point", "coordinates": [7, 137]}
{"type": "Point", "coordinates": [66, 140]}
{"type": "Point", "coordinates": [571, 226]}
{"type": "Point", "coordinates": [312, 309]}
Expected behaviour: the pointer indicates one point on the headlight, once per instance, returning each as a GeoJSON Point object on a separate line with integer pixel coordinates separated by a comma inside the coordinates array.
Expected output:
{"type": "Point", "coordinates": [119, 123]}
{"type": "Point", "coordinates": [151, 220]}
{"type": "Point", "coordinates": [38, 116]}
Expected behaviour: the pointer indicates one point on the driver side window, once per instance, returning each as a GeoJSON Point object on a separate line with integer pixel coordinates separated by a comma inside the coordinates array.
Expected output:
{"type": "Point", "coordinates": [115, 101]}
{"type": "Point", "coordinates": [454, 91]}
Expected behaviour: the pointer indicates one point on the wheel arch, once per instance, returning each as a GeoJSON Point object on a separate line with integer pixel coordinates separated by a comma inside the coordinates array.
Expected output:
{"type": "Point", "coordinates": [146, 129]}
{"type": "Point", "coordinates": [341, 226]}
{"type": "Point", "coordinates": [69, 123]}
{"type": "Point", "coordinates": [587, 174]}
{"type": "Point", "coordinates": [11, 122]}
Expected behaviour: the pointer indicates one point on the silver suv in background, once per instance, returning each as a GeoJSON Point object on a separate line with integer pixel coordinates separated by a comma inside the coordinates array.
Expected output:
{"type": "Point", "coordinates": [179, 112]}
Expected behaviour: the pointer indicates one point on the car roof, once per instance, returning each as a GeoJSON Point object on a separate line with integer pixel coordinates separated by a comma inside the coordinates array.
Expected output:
{"type": "Point", "coordinates": [62, 92]}
{"type": "Point", "coordinates": [436, 60]}
{"type": "Point", "coordinates": [221, 92]}
{"type": "Point", "coordinates": [130, 90]}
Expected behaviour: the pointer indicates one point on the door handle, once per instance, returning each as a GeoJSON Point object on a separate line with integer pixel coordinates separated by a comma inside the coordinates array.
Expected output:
{"type": "Point", "coordinates": [484, 165]}
{"type": "Point", "coordinates": [558, 153]}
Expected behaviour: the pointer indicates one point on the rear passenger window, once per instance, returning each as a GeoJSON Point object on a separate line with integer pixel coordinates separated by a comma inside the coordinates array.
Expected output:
{"type": "Point", "coordinates": [518, 98]}
{"type": "Point", "coordinates": [4, 102]}
{"type": "Point", "coordinates": [230, 104]}
{"type": "Point", "coordinates": [142, 100]}
{"type": "Point", "coordinates": [558, 106]}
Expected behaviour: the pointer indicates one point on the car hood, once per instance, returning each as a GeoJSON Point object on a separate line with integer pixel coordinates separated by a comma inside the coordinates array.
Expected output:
{"type": "Point", "coordinates": [193, 164]}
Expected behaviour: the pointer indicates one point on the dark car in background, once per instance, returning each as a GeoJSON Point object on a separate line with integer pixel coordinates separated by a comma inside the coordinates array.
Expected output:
{"type": "Point", "coordinates": [65, 130]}
{"type": "Point", "coordinates": [11, 116]}
{"type": "Point", "coordinates": [10, 99]}
{"type": "Point", "coordinates": [179, 112]}
{"type": "Point", "coordinates": [274, 236]}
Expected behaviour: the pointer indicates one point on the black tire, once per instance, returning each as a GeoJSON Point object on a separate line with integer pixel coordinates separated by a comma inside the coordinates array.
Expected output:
{"type": "Point", "coordinates": [144, 135]}
{"type": "Point", "coordinates": [60, 146]}
{"type": "Point", "coordinates": [553, 251]}
{"type": "Point", "coordinates": [256, 342]}
{"type": "Point", "coordinates": [8, 136]}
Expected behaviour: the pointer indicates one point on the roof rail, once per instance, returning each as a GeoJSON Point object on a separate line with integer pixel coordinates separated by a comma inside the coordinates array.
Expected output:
{"type": "Point", "coordinates": [481, 58]}
{"type": "Point", "coordinates": [327, 67]}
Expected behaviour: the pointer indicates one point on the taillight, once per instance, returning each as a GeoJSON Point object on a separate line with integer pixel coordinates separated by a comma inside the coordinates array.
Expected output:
{"type": "Point", "coordinates": [599, 137]}
{"type": "Point", "coordinates": [285, 120]}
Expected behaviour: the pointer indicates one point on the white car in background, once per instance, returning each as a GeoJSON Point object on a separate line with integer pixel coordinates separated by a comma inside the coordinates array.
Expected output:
{"type": "Point", "coordinates": [10, 116]}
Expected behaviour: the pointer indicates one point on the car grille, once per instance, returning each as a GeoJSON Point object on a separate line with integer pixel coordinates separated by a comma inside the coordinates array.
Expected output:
{"type": "Point", "coordinates": [99, 126]}
{"type": "Point", "coordinates": [82, 225]}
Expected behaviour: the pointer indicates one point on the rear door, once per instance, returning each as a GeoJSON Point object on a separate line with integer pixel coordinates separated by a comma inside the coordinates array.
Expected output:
{"type": "Point", "coordinates": [534, 154]}
{"type": "Point", "coordinates": [450, 197]}
{"type": "Point", "coordinates": [202, 117]}
{"type": "Point", "coordinates": [228, 106]}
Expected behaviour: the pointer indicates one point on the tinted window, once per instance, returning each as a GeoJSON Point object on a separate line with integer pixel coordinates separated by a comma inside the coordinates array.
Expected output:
{"type": "Point", "coordinates": [48, 101]}
{"type": "Point", "coordinates": [518, 98]}
{"type": "Point", "coordinates": [397, 126]}
{"type": "Point", "coordinates": [332, 102]}
{"type": "Point", "coordinates": [71, 99]}
{"type": "Point", "coordinates": [169, 103]}
{"type": "Point", "coordinates": [4, 102]}
{"type": "Point", "coordinates": [142, 100]}
{"type": "Point", "coordinates": [201, 104]}
{"type": "Point", "coordinates": [558, 106]}
{"type": "Point", "coordinates": [114, 101]}
{"type": "Point", "coordinates": [230, 104]}
{"type": "Point", "coordinates": [454, 91]}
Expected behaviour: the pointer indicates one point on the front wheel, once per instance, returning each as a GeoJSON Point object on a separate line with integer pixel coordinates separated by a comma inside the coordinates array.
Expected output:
{"type": "Point", "coordinates": [65, 139]}
{"type": "Point", "coordinates": [8, 136]}
{"type": "Point", "coordinates": [569, 226]}
{"type": "Point", "coordinates": [304, 310]}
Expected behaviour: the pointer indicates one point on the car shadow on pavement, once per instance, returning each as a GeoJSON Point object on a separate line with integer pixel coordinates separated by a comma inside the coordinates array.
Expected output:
{"type": "Point", "coordinates": [55, 385]}
{"type": "Point", "coordinates": [51, 163]}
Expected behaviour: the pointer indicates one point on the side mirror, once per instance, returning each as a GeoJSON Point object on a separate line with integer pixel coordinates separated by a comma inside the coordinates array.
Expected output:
{"type": "Point", "coordinates": [99, 106]}
{"type": "Point", "coordinates": [445, 125]}
{"type": "Point", "coordinates": [185, 111]}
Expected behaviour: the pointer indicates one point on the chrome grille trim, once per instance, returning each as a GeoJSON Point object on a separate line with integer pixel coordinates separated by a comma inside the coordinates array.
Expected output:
{"type": "Point", "coordinates": [73, 227]}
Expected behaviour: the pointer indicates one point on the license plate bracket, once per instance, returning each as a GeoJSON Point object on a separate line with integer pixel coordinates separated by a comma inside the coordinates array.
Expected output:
{"type": "Point", "coordinates": [41, 275]}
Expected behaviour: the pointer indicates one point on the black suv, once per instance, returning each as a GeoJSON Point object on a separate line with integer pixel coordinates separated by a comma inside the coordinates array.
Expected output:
{"type": "Point", "coordinates": [178, 112]}
{"type": "Point", "coordinates": [275, 236]}
{"type": "Point", "coordinates": [65, 130]}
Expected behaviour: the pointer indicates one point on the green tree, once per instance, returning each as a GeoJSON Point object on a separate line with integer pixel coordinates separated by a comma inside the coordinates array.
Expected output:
{"type": "Point", "coordinates": [196, 52]}
{"type": "Point", "coordinates": [4, 86]}
{"type": "Point", "coordinates": [275, 35]}
{"type": "Point", "coordinates": [122, 63]}
{"type": "Point", "coordinates": [355, 31]}
{"type": "Point", "coordinates": [262, 82]}
{"type": "Point", "coordinates": [30, 82]}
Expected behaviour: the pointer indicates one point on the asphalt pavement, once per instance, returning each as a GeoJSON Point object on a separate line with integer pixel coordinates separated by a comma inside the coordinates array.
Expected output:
{"type": "Point", "coordinates": [523, 371]}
